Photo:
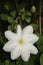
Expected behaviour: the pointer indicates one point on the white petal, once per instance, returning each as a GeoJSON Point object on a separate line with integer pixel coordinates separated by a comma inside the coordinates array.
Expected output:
{"type": "Point", "coordinates": [10, 35]}
{"type": "Point", "coordinates": [19, 30]}
{"type": "Point", "coordinates": [31, 38]}
{"type": "Point", "coordinates": [28, 30]}
{"type": "Point", "coordinates": [33, 49]}
{"type": "Point", "coordinates": [15, 53]}
{"type": "Point", "coordinates": [25, 54]}
{"type": "Point", "coordinates": [9, 46]}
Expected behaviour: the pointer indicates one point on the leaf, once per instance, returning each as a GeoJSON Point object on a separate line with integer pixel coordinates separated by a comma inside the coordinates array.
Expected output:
{"type": "Point", "coordinates": [40, 42]}
{"type": "Point", "coordinates": [41, 59]}
{"type": "Point", "coordinates": [12, 63]}
{"type": "Point", "coordinates": [9, 6]}
{"type": "Point", "coordinates": [23, 16]}
{"type": "Point", "coordinates": [35, 26]}
{"type": "Point", "coordinates": [28, 19]}
{"type": "Point", "coordinates": [4, 16]}
{"type": "Point", "coordinates": [28, 13]}
{"type": "Point", "coordinates": [10, 19]}
{"type": "Point", "coordinates": [13, 14]}
{"type": "Point", "coordinates": [15, 21]}
{"type": "Point", "coordinates": [21, 8]}
{"type": "Point", "coordinates": [10, 27]}
{"type": "Point", "coordinates": [7, 62]}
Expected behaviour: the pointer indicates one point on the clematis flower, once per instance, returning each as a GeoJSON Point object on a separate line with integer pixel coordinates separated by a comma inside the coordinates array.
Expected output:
{"type": "Point", "coordinates": [21, 43]}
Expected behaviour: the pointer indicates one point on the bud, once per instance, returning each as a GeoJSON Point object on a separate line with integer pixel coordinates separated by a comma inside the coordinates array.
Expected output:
{"type": "Point", "coordinates": [33, 9]}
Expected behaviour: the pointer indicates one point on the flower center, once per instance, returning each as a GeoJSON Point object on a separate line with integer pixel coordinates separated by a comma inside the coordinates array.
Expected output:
{"type": "Point", "coordinates": [21, 40]}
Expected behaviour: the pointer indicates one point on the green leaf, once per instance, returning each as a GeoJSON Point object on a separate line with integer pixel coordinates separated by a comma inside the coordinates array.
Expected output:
{"type": "Point", "coordinates": [12, 63]}
{"type": "Point", "coordinates": [10, 19]}
{"type": "Point", "coordinates": [16, 21]}
{"type": "Point", "coordinates": [35, 26]}
{"type": "Point", "coordinates": [28, 13]}
{"type": "Point", "coordinates": [41, 59]}
{"type": "Point", "coordinates": [28, 19]}
{"type": "Point", "coordinates": [23, 16]}
{"type": "Point", "coordinates": [10, 27]}
{"type": "Point", "coordinates": [21, 8]}
{"type": "Point", "coordinates": [40, 42]}
{"type": "Point", "coordinates": [9, 6]}
{"type": "Point", "coordinates": [4, 17]}
{"type": "Point", "coordinates": [13, 14]}
{"type": "Point", "coordinates": [7, 62]}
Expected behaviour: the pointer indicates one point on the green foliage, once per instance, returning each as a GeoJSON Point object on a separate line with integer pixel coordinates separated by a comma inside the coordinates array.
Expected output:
{"type": "Point", "coordinates": [2, 40]}
{"type": "Point", "coordinates": [13, 13]}
{"type": "Point", "coordinates": [10, 19]}
{"type": "Point", "coordinates": [28, 14]}
{"type": "Point", "coordinates": [28, 19]}
{"type": "Point", "coordinates": [23, 17]}
{"type": "Point", "coordinates": [41, 59]}
{"type": "Point", "coordinates": [7, 62]}
{"type": "Point", "coordinates": [40, 42]}
{"type": "Point", "coordinates": [35, 26]}
{"type": "Point", "coordinates": [10, 27]}
{"type": "Point", "coordinates": [8, 6]}
{"type": "Point", "coordinates": [4, 16]}
{"type": "Point", "coordinates": [21, 8]}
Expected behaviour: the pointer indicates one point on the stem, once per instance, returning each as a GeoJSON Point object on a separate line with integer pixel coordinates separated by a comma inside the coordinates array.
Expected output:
{"type": "Point", "coordinates": [19, 18]}
{"type": "Point", "coordinates": [40, 17]}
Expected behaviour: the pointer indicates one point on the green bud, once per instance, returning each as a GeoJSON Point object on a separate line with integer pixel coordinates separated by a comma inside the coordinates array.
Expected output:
{"type": "Point", "coordinates": [33, 9]}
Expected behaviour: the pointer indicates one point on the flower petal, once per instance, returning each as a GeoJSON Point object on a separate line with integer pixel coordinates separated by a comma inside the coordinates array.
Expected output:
{"type": "Point", "coordinates": [10, 35]}
{"type": "Point", "coordinates": [25, 54]}
{"type": "Point", "coordinates": [19, 30]}
{"type": "Point", "coordinates": [32, 38]}
{"type": "Point", "coordinates": [15, 53]}
{"type": "Point", "coordinates": [28, 30]}
{"type": "Point", "coordinates": [33, 49]}
{"type": "Point", "coordinates": [9, 46]}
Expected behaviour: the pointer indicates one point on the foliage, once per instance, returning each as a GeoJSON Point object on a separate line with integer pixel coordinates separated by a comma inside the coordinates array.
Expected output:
{"type": "Point", "coordinates": [41, 59]}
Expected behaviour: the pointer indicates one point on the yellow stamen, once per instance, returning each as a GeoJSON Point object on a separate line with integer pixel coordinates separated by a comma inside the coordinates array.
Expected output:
{"type": "Point", "coordinates": [21, 40]}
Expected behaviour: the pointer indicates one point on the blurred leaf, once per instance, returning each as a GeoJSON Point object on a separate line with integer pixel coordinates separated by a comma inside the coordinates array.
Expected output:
{"type": "Point", "coordinates": [35, 26]}
{"type": "Point", "coordinates": [23, 16]}
{"type": "Point", "coordinates": [40, 42]}
{"type": "Point", "coordinates": [4, 16]}
{"type": "Point", "coordinates": [15, 21]}
{"type": "Point", "coordinates": [21, 8]}
{"type": "Point", "coordinates": [41, 59]}
{"type": "Point", "coordinates": [7, 62]}
{"type": "Point", "coordinates": [10, 27]}
{"type": "Point", "coordinates": [10, 19]}
{"type": "Point", "coordinates": [13, 14]}
{"type": "Point", "coordinates": [12, 63]}
{"type": "Point", "coordinates": [8, 6]}
{"type": "Point", "coordinates": [28, 19]}
{"type": "Point", "coordinates": [28, 13]}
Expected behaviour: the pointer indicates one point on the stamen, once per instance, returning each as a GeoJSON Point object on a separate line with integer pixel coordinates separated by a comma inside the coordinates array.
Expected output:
{"type": "Point", "coordinates": [21, 40]}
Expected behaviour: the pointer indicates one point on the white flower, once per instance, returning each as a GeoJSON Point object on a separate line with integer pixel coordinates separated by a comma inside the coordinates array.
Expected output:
{"type": "Point", "coordinates": [21, 43]}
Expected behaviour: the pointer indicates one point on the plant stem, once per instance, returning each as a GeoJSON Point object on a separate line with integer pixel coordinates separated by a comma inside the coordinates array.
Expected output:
{"type": "Point", "coordinates": [19, 18]}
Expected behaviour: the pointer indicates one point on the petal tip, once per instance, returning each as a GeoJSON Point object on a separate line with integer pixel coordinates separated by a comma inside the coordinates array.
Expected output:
{"type": "Point", "coordinates": [4, 48]}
